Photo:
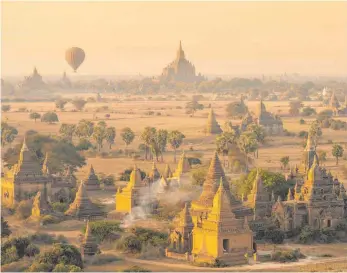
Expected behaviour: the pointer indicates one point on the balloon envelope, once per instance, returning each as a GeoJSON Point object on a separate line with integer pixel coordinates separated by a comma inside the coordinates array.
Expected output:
{"type": "Point", "coordinates": [74, 56]}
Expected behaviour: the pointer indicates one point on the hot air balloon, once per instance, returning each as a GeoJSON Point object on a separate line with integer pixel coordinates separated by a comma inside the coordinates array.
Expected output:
{"type": "Point", "coordinates": [74, 57]}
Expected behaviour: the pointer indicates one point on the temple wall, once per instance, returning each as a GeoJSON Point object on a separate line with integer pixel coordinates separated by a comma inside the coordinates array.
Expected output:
{"type": "Point", "coordinates": [123, 203]}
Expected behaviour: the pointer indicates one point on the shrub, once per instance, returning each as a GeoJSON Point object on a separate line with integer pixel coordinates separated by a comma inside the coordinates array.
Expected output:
{"type": "Point", "coordinates": [61, 207]}
{"type": "Point", "coordinates": [302, 121]}
{"type": "Point", "coordinates": [58, 253]}
{"type": "Point", "coordinates": [49, 219]}
{"type": "Point", "coordinates": [45, 238]}
{"type": "Point", "coordinates": [84, 144]}
{"type": "Point", "coordinates": [287, 256]}
{"type": "Point", "coordinates": [274, 235]}
{"type": "Point", "coordinates": [103, 229]}
{"type": "Point", "coordinates": [32, 250]}
{"type": "Point", "coordinates": [103, 259]}
{"type": "Point", "coordinates": [198, 175]}
{"type": "Point", "coordinates": [9, 255]}
{"type": "Point", "coordinates": [129, 244]}
{"type": "Point", "coordinates": [307, 235]}
{"type": "Point", "coordinates": [14, 249]}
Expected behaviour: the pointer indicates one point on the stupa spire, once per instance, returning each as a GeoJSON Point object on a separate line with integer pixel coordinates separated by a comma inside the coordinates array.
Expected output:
{"type": "Point", "coordinates": [180, 52]}
{"type": "Point", "coordinates": [212, 126]}
{"type": "Point", "coordinates": [214, 175]}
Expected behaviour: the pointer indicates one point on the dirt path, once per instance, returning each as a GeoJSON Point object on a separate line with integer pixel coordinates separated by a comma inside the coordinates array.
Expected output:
{"type": "Point", "coordinates": [272, 266]}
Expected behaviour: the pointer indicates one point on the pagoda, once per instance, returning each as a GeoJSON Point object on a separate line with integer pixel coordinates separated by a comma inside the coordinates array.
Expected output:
{"type": "Point", "coordinates": [212, 126]}
{"type": "Point", "coordinates": [24, 178]}
{"type": "Point", "coordinates": [89, 247]}
{"type": "Point", "coordinates": [92, 182]}
{"type": "Point", "coordinates": [82, 207]}
{"type": "Point", "coordinates": [334, 104]}
{"type": "Point", "coordinates": [132, 194]}
{"type": "Point", "coordinates": [183, 166]}
{"type": "Point", "coordinates": [220, 235]}
{"type": "Point", "coordinates": [154, 174]}
{"type": "Point", "coordinates": [180, 69]}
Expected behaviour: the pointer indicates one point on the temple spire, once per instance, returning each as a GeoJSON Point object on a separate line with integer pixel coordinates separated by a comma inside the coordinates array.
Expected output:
{"type": "Point", "coordinates": [180, 52]}
{"type": "Point", "coordinates": [24, 145]}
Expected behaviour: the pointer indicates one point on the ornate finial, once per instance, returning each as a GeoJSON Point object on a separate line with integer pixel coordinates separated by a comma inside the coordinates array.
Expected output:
{"type": "Point", "coordinates": [24, 146]}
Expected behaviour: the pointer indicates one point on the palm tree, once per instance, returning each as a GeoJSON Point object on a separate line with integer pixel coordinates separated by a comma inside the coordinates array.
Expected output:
{"type": "Point", "coordinates": [147, 137]}
{"type": "Point", "coordinates": [175, 138]}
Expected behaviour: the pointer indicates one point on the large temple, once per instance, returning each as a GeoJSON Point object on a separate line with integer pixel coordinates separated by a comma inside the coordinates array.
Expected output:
{"type": "Point", "coordinates": [33, 81]}
{"type": "Point", "coordinates": [180, 70]}
{"type": "Point", "coordinates": [317, 199]}
{"type": "Point", "coordinates": [215, 226]}
{"type": "Point", "coordinates": [335, 106]}
{"type": "Point", "coordinates": [28, 177]}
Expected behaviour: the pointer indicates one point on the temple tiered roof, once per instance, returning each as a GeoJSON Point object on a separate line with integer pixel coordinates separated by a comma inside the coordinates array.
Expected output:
{"type": "Point", "coordinates": [27, 164]}
{"type": "Point", "coordinates": [92, 181]}
{"type": "Point", "coordinates": [214, 177]}
{"type": "Point", "coordinates": [82, 207]}
{"type": "Point", "coordinates": [183, 165]}
{"type": "Point", "coordinates": [89, 246]}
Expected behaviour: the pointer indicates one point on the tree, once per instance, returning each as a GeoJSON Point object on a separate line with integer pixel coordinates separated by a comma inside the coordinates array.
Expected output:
{"type": "Point", "coordinates": [247, 144]}
{"type": "Point", "coordinates": [175, 138]}
{"type": "Point", "coordinates": [223, 142]}
{"type": "Point", "coordinates": [193, 106]}
{"type": "Point", "coordinates": [337, 152]}
{"type": "Point", "coordinates": [308, 111]}
{"type": "Point", "coordinates": [315, 131]}
{"type": "Point", "coordinates": [5, 230]}
{"type": "Point", "coordinates": [99, 135]}
{"type": "Point", "coordinates": [84, 129]}
{"type": "Point", "coordinates": [34, 116]}
{"type": "Point", "coordinates": [128, 136]}
{"type": "Point", "coordinates": [5, 107]}
{"type": "Point", "coordinates": [65, 254]}
{"type": "Point", "coordinates": [236, 109]}
{"type": "Point", "coordinates": [60, 104]}
{"type": "Point", "coordinates": [199, 175]}
{"type": "Point", "coordinates": [273, 182]}
{"type": "Point", "coordinates": [294, 107]}
{"type": "Point", "coordinates": [325, 114]}
{"type": "Point", "coordinates": [110, 135]}
{"type": "Point", "coordinates": [259, 134]}
{"type": "Point", "coordinates": [79, 104]}
{"type": "Point", "coordinates": [285, 161]}
{"type": "Point", "coordinates": [49, 117]}
{"type": "Point", "coordinates": [67, 130]}
{"type": "Point", "coordinates": [147, 137]}
{"type": "Point", "coordinates": [62, 154]}
{"type": "Point", "coordinates": [8, 133]}
{"type": "Point", "coordinates": [161, 141]}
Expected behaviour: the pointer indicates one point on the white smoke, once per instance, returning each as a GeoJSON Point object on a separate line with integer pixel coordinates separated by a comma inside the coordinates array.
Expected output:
{"type": "Point", "coordinates": [175, 194]}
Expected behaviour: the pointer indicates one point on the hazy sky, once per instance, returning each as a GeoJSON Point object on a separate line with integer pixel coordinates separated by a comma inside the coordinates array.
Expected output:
{"type": "Point", "coordinates": [142, 37]}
